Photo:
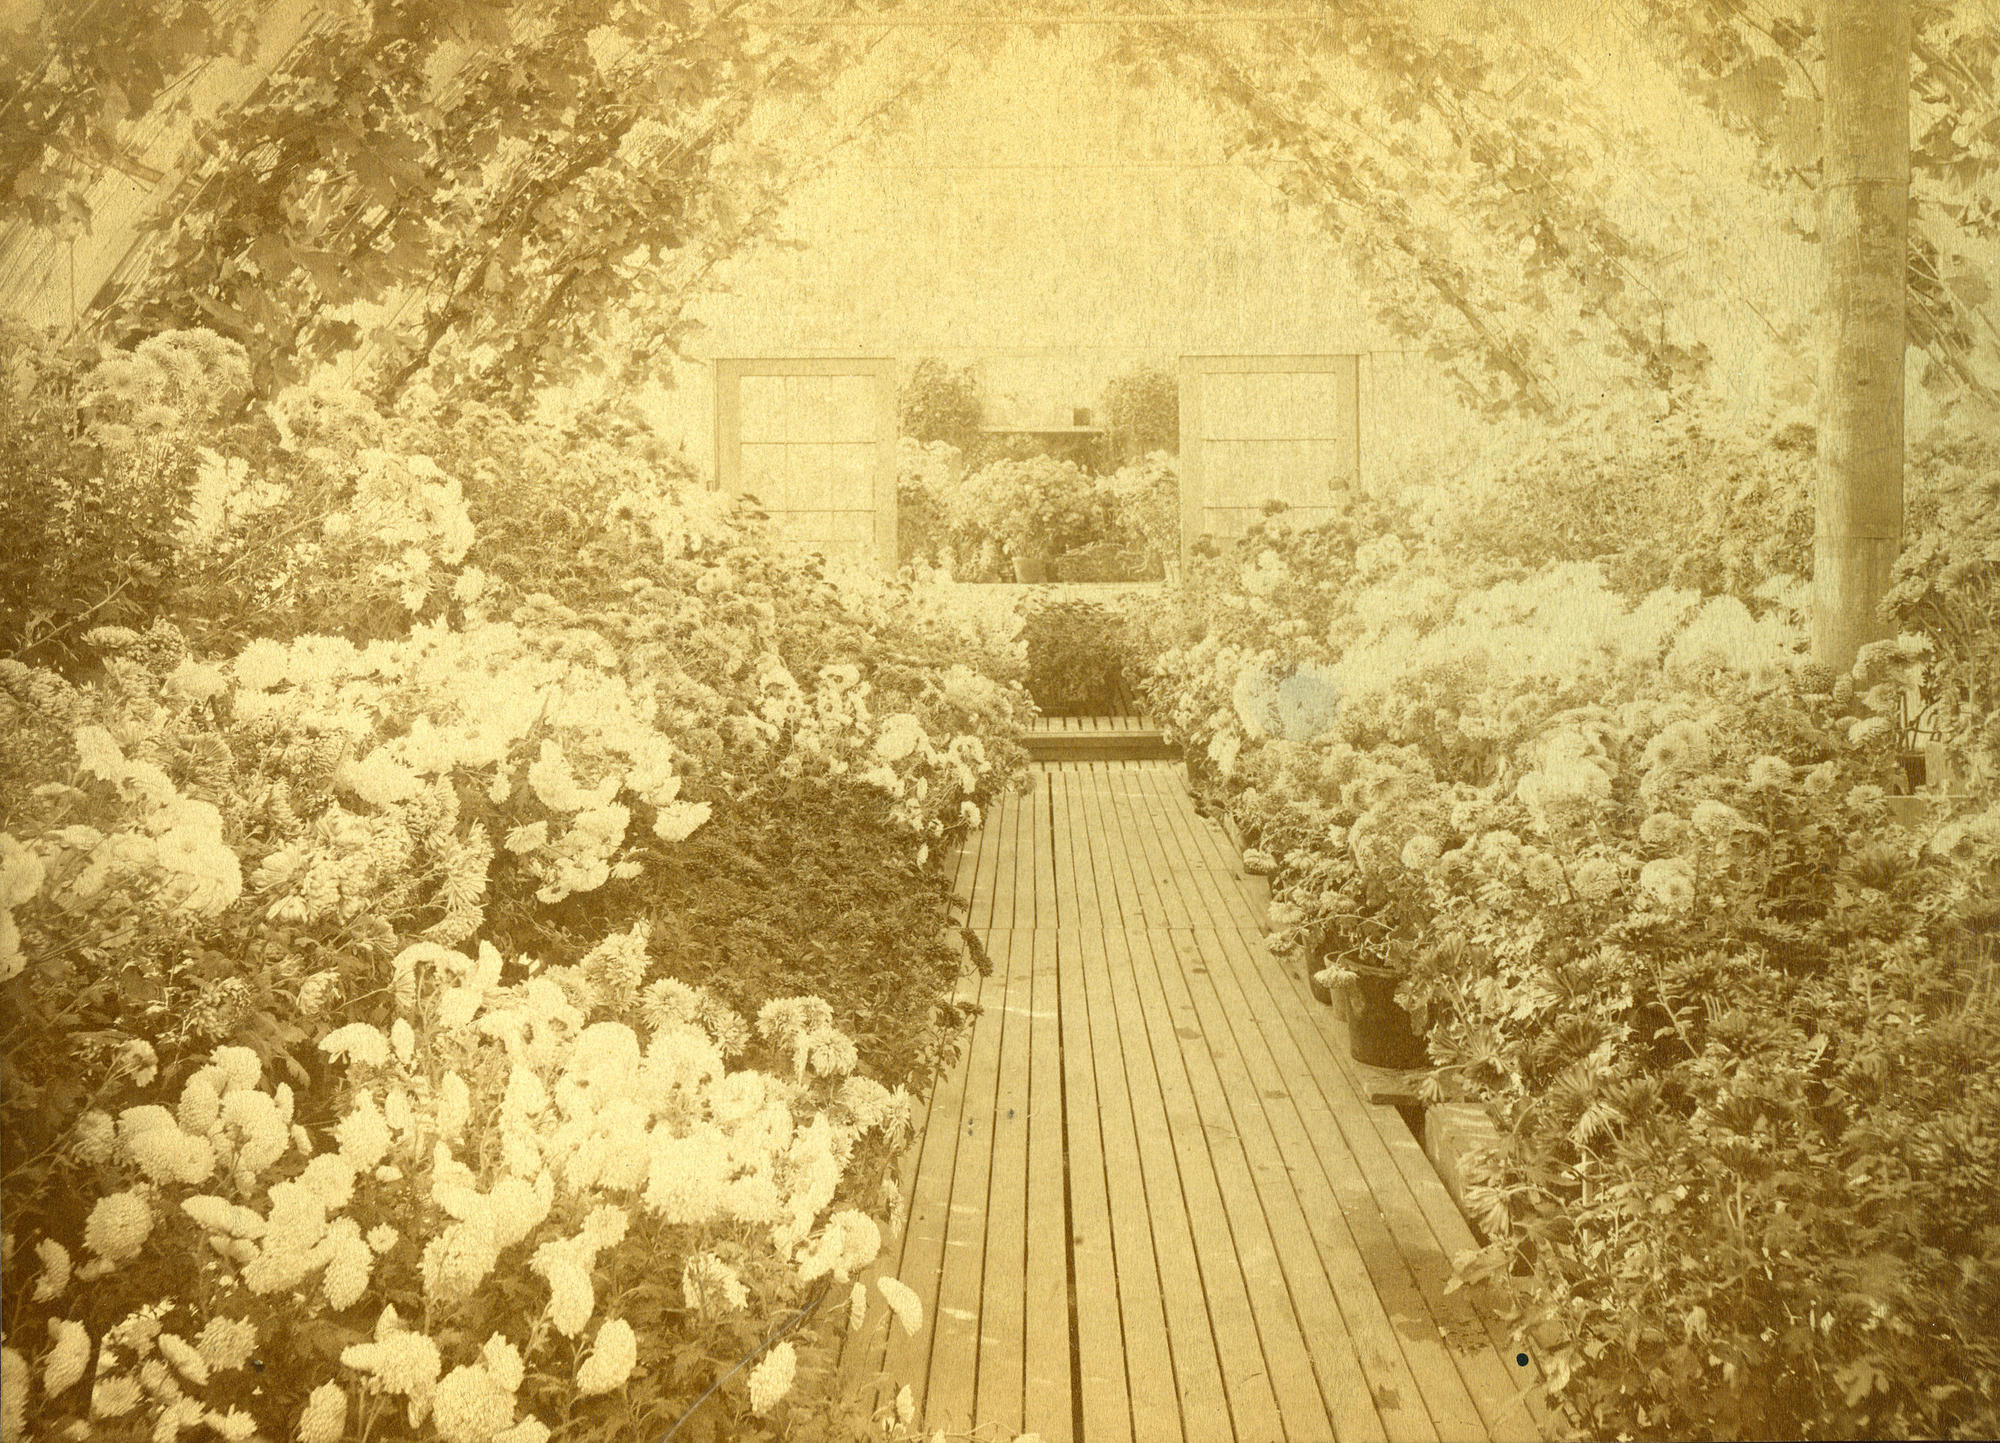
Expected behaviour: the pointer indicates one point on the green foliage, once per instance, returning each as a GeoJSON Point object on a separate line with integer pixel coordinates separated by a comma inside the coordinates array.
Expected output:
{"type": "Point", "coordinates": [74, 75]}
{"type": "Point", "coordinates": [1144, 500]}
{"type": "Point", "coordinates": [1142, 409]}
{"type": "Point", "coordinates": [1076, 658]}
{"type": "Point", "coordinates": [1947, 588]}
{"type": "Point", "coordinates": [510, 176]}
{"type": "Point", "coordinates": [941, 402]}
{"type": "Point", "coordinates": [95, 481]}
{"type": "Point", "coordinates": [1690, 499]}
{"type": "Point", "coordinates": [1035, 507]}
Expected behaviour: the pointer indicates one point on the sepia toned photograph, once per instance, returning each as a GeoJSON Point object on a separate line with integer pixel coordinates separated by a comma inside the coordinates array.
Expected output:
{"type": "Point", "coordinates": [999, 721]}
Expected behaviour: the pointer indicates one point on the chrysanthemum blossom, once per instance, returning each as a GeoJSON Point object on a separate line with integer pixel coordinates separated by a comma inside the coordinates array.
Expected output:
{"type": "Point", "coordinates": [905, 1304]}
{"type": "Point", "coordinates": [225, 1344]}
{"type": "Point", "coordinates": [69, 1355]}
{"type": "Point", "coordinates": [325, 1417]}
{"type": "Point", "coordinates": [114, 1395]}
{"type": "Point", "coordinates": [55, 1269]}
{"type": "Point", "coordinates": [772, 1378]}
{"type": "Point", "coordinates": [1767, 772]}
{"type": "Point", "coordinates": [14, 1385]}
{"type": "Point", "coordinates": [1668, 882]}
{"type": "Point", "coordinates": [611, 1360]}
{"type": "Point", "coordinates": [118, 1227]}
{"type": "Point", "coordinates": [357, 1042]}
{"type": "Point", "coordinates": [471, 1406]}
{"type": "Point", "coordinates": [405, 1363]}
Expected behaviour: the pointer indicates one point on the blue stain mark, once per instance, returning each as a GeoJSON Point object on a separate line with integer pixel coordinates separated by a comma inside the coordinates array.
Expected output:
{"type": "Point", "coordinates": [1521, 1360]}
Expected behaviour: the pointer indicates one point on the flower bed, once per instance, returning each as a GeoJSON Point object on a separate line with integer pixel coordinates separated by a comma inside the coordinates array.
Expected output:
{"type": "Point", "coordinates": [476, 959]}
{"type": "Point", "coordinates": [1631, 857]}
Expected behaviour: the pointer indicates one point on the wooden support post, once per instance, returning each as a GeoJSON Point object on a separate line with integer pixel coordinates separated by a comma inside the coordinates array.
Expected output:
{"type": "Point", "coordinates": [1864, 221]}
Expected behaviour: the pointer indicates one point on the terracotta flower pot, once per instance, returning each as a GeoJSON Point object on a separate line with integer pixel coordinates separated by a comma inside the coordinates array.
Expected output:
{"type": "Point", "coordinates": [1379, 1031]}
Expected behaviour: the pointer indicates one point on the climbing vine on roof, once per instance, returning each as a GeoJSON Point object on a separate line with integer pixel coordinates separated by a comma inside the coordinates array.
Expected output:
{"type": "Point", "coordinates": [485, 189]}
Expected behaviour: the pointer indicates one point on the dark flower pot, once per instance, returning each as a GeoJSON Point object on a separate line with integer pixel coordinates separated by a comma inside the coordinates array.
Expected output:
{"type": "Point", "coordinates": [1379, 1032]}
{"type": "Point", "coordinates": [1031, 568]}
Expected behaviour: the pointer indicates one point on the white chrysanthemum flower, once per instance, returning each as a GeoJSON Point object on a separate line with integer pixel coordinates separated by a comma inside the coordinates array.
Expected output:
{"type": "Point", "coordinates": [1663, 830]}
{"type": "Point", "coordinates": [364, 1134]}
{"type": "Point", "coordinates": [241, 1068]}
{"type": "Point", "coordinates": [347, 1271]}
{"type": "Point", "coordinates": [1596, 879]}
{"type": "Point", "coordinates": [503, 1361]}
{"type": "Point", "coordinates": [153, 1139]}
{"type": "Point", "coordinates": [219, 1215]}
{"type": "Point", "coordinates": [528, 1430]}
{"type": "Point", "coordinates": [330, 1176]}
{"type": "Point", "coordinates": [114, 1395]}
{"type": "Point", "coordinates": [907, 1307]}
{"type": "Point", "coordinates": [357, 1042]}
{"type": "Point", "coordinates": [176, 1418]}
{"type": "Point", "coordinates": [403, 1041]}
{"type": "Point", "coordinates": [260, 665]}
{"type": "Point", "coordinates": [848, 1243]}
{"type": "Point", "coordinates": [95, 1137]}
{"type": "Point", "coordinates": [403, 1362]}
{"type": "Point", "coordinates": [1713, 819]}
{"type": "Point", "coordinates": [906, 1406]}
{"type": "Point", "coordinates": [1770, 771]}
{"type": "Point", "coordinates": [572, 1297]}
{"type": "Point", "coordinates": [708, 1284]}
{"type": "Point", "coordinates": [898, 735]}
{"type": "Point", "coordinates": [233, 1424]}
{"type": "Point", "coordinates": [1669, 883]}
{"type": "Point", "coordinates": [15, 1382]}
{"type": "Point", "coordinates": [610, 1361]}
{"type": "Point", "coordinates": [1541, 871]}
{"type": "Point", "coordinates": [771, 1379]}
{"type": "Point", "coordinates": [381, 1238]}
{"type": "Point", "coordinates": [325, 1417]}
{"type": "Point", "coordinates": [201, 1102]}
{"type": "Point", "coordinates": [186, 1360]}
{"type": "Point", "coordinates": [69, 1355]}
{"type": "Point", "coordinates": [471, 1406]}
{"type": "Point", "coordinates": [259, 1125]}
{"type": "Point", "coordinates": [225, 1344]}
{"type": "Point", "coordinates": [118, 1227]}
{"type": "Point", "coordinates": [55, 1269]}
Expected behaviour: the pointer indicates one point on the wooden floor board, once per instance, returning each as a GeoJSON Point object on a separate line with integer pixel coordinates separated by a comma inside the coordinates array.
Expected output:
{"type": "Point", "coordinates": [1148, 1205]}
{"type": "Point", "coordinates": [950, 1386]}
{"type": "Point", "coordinates": [1046, 1401]}
{"type": "Point", "coordinates": [1197, 1366]}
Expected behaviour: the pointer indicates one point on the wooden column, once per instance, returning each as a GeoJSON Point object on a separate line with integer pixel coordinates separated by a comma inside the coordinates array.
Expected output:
{"type": "Point", "coordinates": [1864, 218]}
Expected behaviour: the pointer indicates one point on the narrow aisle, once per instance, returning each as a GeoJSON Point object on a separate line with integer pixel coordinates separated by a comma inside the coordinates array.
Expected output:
{"type": "Point", "coordinates": [1148, 1205]}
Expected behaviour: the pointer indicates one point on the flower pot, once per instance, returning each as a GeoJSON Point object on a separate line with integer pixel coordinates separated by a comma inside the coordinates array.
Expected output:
{"type": "Point", "coordinates": [1379, 1032]}
{"type": "Point", "coordinates": [1031, 568]}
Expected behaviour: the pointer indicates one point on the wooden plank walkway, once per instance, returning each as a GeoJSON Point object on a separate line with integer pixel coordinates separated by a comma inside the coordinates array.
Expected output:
{"type": "Point", "coordinates": [1148, 1204]}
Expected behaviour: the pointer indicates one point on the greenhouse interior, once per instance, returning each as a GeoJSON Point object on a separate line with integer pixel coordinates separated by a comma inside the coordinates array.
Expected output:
{"type": "Point", "coordinates": [1121, 721]}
